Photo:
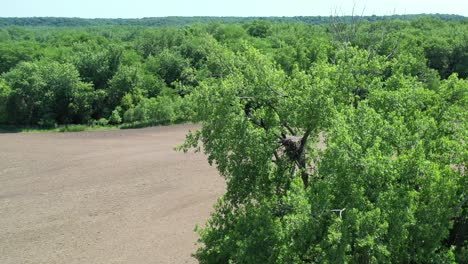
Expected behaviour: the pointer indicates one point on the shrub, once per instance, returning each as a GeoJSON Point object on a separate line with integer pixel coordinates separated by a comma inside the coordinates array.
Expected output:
{"type": "Point", "coordinates": [72, 128]}
{"type": "Point", "coordinates": [163, 109]}
{"type": "Point", "coordinates": [102, 122]}
{"type": "Point", "coordinates": [129, 115]}
{"type": "Point", "coordinates": [115, 118]}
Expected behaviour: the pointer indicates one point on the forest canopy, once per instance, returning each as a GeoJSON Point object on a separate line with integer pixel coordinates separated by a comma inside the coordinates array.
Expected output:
{"type": "Point", "coordinates": [340, 141]}
{"type": "Point", "coordinates": [184, 21]}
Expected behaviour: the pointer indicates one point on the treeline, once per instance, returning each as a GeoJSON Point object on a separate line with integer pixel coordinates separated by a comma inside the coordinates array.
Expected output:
{"type": "Point", "coordinates": [184, 21]}
{"type": "Point", "coordinates": [101, 75]}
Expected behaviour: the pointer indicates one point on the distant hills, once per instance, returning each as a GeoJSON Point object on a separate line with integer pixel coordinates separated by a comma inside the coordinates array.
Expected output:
{"type": "Point", "coordinates": [183, 21]}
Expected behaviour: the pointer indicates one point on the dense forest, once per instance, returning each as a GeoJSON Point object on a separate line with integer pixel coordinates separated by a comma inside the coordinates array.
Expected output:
{"type": "Point", "coordinates": [341, 141]}
{"type": "Point", "coordinates": [184, 21]}
{"type": "Point", "coordinates": [96, 75]}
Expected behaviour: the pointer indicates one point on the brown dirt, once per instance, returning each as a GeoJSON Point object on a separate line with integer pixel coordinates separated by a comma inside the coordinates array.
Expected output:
{"type": "Point", "coordinates": [122, 196]}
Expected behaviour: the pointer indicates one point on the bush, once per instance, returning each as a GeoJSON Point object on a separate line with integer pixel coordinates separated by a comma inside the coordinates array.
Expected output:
{"type": "Point", "coordinates": [129, 115]}
{"type": "Point", "coordinates": [163, 109]}
{"type": "Point", "coordinates": [72, 128]}
{"type": "Point", "coordinates": [102, 122]}
{"type": "Point", "coordinates": [115, 118]}
{"type": "Point", "coordinates": [47, 123]}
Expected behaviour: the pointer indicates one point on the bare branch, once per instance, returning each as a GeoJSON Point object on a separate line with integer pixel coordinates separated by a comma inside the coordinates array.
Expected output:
{"type": "Point", "coordinates": [339, 210]}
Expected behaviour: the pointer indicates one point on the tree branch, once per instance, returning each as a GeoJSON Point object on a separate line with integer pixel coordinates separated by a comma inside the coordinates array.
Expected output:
{"type": "Point", "coordinates": [304, 141]}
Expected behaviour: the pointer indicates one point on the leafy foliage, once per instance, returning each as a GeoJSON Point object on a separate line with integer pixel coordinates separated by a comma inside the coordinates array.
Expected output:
{"type": "Point", "coordinates": [385, 187]}
{"type": "Point", "coordinates": [184, 21]}
{"type": "Point", "coordinates": [47, 92]}
{"type": "Point", "coordinates": [339, 143]}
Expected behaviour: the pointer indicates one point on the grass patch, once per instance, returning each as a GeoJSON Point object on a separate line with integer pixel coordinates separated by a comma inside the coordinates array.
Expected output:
{"type": "Point", "coordinates": [64, 128]}
{"type": "Point", "coordinates": [79, 128]}
{"type": "Point", "coordinates": [72, 128]}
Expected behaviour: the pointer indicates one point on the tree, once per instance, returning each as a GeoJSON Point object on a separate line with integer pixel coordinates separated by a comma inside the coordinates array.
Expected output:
{"type": "Point", "coordinates": [46, 92]}
{"type": "Point", "coordinates": [384, 188]}
{"type": "Point", "coordinates": [130, 85]}
{"type": "Point", "coordinates": [96, 63]}
{"type": "Point", "coordinates": [5, 92]}
{"type": "Point", "coordinates": [168, 65]}
{"type": "Point", "coordinates": [125, 81]}
{"type": "Point", "coordinates": [259, 29]}
{"type": "Point", "coordinates": [12, 53]}
{"type": "Point", "coordinates": [153, 42]}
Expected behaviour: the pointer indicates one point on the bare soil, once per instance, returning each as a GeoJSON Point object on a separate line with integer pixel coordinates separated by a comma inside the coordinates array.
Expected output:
{"type": "Point", "coordinates": [122, 196]}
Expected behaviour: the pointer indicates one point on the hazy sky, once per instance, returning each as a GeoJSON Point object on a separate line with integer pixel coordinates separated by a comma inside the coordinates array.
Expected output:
{"type": "Point", "coordinates": [158, 8]}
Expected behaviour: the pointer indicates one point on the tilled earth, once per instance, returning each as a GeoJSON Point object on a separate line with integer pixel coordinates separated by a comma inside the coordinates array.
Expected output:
{"type": "Point", "coordinates": [121, 196]}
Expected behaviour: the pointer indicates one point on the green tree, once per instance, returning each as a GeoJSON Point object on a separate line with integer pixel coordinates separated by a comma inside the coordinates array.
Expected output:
{"type": "Point", "coordinates": [96, 63]}
{"type": "Point", "coordinates": [125, 81]}
{"type": "Point", "coordinates": [130, 85]}
{"type": "Point", "coordinates": [45, 92]}
{"type": "Point", "coordinates": [12, 53]}
{"type": "Point", "coordinates": [153, 42]}
{"type": "Point", "coordinates": [5, 92]}
{"type": "Point", "coordinates": [341, 164]}
{"type": "Point", "coordinates": [168, 65]}
{"type": "Point", "coordinates": [259, 29]}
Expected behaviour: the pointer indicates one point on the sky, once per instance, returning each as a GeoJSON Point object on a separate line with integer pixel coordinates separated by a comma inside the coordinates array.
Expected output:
{"type": "Point", "coordinates": [159, 8]}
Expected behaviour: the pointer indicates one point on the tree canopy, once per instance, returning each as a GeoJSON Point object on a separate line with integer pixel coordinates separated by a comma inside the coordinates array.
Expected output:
{"type": "Point", "coordinates": [342, 142]}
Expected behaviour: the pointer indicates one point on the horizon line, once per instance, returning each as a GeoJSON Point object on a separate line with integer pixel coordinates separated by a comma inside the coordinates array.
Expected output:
{"type": "Point", "coordinates": [207, 16]}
